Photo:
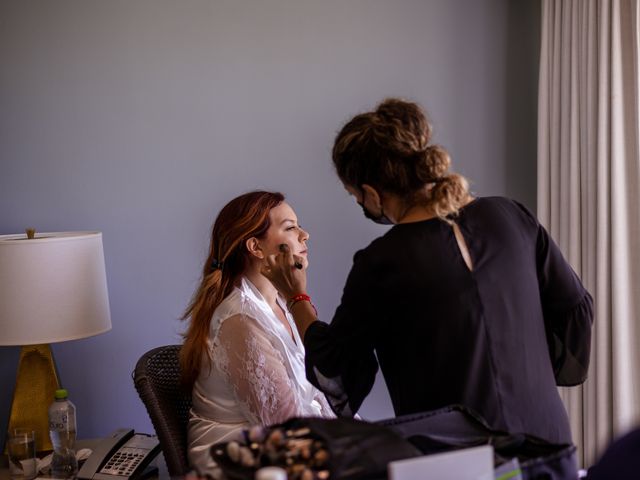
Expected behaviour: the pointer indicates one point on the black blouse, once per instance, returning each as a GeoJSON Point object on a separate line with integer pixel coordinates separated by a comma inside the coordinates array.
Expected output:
{"type": "Point", "coordinates": [497, 339]}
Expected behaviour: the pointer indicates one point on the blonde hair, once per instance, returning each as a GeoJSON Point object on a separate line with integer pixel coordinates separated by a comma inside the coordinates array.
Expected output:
{"type": "Point", "coordinates": [389, 149]}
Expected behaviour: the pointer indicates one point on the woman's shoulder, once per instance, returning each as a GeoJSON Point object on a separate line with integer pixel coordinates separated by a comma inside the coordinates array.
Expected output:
{"type": "Point", "coordinates": [243, 302]}
{"type": "Point", "coordinates": [487, 211]}
{"type": "Point", "coordinates": [501, 207]}
{"type": "Point", "coordinates": [376, 247]}
{"type": "Point", "coordinates": [495, 201]}
{"type": "Point", "coordinates": [230, 305]}
{"type": "Point", "coordinates": [236, 304]}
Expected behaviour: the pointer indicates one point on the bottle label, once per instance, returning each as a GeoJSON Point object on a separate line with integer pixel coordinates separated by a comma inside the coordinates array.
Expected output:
{"type": "Point", "coordinates": [60, 421]}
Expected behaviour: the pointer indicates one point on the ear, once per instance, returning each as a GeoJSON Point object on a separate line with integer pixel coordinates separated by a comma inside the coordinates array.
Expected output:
{"type": "Point", "coordinates": [254, 248]}
{"type": "Point", "coordinates": [373, 195]}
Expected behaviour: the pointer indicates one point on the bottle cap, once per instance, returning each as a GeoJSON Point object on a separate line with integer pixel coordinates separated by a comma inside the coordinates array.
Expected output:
{"type": "Point", "coordinates": [61, 393]}
{"type": "Point", "coordinates": [271, 473]}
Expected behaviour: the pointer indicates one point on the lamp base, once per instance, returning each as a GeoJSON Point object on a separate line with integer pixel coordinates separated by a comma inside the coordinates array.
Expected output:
{"type": "Point", "coordinates": [36, 383]}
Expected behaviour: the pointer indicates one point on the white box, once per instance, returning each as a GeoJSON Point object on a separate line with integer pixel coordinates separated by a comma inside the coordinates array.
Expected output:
{"type": "Point", "coordinates": [467, 464]}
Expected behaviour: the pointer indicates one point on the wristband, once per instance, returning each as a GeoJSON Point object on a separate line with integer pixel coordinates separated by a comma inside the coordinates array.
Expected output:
{"type": "Point", "coordinates": [301, 297]}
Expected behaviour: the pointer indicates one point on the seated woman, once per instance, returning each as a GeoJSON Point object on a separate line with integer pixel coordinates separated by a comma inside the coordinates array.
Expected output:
{"type": "Point", "coordinates": [242, 355]}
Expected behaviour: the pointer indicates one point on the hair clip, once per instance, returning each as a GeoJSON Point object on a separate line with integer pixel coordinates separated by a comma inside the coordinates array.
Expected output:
{"type": "Point", "coordinates": [215, 264]}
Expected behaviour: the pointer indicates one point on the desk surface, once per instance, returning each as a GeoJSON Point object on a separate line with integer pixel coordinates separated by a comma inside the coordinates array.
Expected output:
{"type": "Point", "coordinates": [163, 473]}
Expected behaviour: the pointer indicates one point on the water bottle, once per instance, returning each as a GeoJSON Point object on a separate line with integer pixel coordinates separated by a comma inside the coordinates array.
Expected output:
{"type": "Point", "coordinates": [62, 430]}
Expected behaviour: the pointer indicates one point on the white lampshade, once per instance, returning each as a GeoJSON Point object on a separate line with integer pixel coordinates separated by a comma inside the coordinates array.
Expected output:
{"type": "Point", "coordinates": [53, 288]}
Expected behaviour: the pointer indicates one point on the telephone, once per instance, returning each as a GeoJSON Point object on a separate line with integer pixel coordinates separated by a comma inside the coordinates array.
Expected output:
{"type": "Point", "coordinates": [122, 455]}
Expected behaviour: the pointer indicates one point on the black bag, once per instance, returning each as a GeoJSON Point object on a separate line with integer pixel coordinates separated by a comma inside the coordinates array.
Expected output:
{"type": "Point", "coordinates": [457, 427]}
{"type": "Point", "coordinates": [361, 450]}
{"type": "Point", "coordinates": [356, 449]}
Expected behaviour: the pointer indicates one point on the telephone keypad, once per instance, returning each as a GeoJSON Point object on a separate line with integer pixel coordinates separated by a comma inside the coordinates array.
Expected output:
{"type": "Point", "coordinates": [124, 462]}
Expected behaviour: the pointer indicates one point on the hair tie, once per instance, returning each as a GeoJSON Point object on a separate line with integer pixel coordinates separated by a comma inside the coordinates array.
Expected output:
{"type": "Point", "coordinates": [436, 180]}
{"type": "Point", "coordinates": [215, 264]}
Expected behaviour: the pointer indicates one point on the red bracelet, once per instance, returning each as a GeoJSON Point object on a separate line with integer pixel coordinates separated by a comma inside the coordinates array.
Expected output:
{"type": "Point", "coordinates": [301, 297]}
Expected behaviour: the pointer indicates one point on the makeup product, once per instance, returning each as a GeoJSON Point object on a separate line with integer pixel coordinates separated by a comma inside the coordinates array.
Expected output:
{"type": "Point", "coordinates": [295, 451]}
{"type": "Point", "coordinates": [284, 248]}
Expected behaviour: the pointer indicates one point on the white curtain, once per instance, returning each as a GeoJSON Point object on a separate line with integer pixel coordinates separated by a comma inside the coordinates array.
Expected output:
{"type": "Point", "coordinates": [589, 196]}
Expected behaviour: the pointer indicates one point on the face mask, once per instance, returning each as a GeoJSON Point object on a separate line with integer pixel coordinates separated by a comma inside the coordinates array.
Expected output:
{"type": "Point", "coordinates": [382, 219]}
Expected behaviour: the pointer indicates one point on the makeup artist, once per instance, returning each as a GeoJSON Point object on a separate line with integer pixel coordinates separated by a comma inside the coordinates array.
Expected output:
{"type": "Point", "coordinates": [463, 301]}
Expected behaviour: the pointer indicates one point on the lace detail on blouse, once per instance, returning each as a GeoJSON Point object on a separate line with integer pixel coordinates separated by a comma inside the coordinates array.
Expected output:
{"type": "Point", "coordinates": [255, 370]}
{"type": "Point", "coordinates": [253, 374]}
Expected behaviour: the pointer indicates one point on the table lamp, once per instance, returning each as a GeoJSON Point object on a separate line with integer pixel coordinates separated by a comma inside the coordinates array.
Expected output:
{"type": "Point", "coordinates": [53, 288]}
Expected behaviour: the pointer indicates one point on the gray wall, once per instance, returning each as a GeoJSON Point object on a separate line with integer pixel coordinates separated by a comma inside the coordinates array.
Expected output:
{"type": "Point", "coordinates": [142, 118]}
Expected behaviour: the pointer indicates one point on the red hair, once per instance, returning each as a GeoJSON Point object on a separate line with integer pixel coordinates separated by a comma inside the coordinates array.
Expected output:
{"type": "Point", "coordinates": [242, 218]}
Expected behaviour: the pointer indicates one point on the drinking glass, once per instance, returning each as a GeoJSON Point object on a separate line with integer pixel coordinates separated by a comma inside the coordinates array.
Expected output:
{"type": "Point", "coordinates": [21, 446]}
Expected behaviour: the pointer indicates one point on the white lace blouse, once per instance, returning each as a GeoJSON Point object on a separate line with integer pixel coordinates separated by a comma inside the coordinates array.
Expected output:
{"type": "Point", "coordinates": [257, 375]}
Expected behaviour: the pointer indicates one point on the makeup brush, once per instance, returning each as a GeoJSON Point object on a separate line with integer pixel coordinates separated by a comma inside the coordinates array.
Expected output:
{"type": "Point", "coordinates": [284, 248]}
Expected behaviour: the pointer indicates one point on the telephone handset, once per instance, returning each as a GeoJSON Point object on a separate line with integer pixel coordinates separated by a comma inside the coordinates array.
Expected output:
{"type": "Point", "coordinates": [122, 455]}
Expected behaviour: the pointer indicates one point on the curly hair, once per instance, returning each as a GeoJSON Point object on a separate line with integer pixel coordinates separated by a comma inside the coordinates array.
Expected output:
{"type": "Point", "coordinates": [389, 149]}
